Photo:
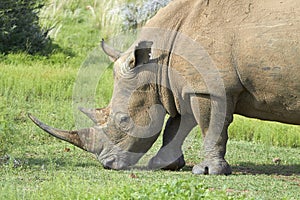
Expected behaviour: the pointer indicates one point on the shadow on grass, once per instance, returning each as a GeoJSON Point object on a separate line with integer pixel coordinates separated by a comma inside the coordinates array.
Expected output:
{"type": "Point", "coordinates": [243, 168]}
{"type": "Point", "coordinates": [248, 168]}
{"type": "Point", "coordinates": [267, 169]}
{"type": "Point", "coordinates": [57, 163]}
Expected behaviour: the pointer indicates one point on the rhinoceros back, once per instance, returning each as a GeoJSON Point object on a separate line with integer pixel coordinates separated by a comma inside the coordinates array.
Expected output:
{"type": "Point", "coordinates": [267, 50]}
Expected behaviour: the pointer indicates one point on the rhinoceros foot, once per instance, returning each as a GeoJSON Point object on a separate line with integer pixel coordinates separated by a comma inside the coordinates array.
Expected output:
{"type": "Point", "coordinates": [216, 166]}
{"type": "Point", "coordinates": [158, 163]}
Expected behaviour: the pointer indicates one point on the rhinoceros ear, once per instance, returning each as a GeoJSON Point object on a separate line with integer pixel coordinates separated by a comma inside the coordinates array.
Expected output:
{"type": "Point", "coordinates": [142, 53]}
{"type": "Point", "coordinates": [111, 52]}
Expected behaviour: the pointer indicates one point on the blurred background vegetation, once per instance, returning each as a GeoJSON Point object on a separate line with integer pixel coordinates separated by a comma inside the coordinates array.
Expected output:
{"type": "Point", "coordinates": [30, 25]}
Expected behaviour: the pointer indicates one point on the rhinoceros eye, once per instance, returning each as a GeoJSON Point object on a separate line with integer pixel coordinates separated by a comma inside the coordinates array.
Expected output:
{"type": "Point", "coordinates": [123, 121]}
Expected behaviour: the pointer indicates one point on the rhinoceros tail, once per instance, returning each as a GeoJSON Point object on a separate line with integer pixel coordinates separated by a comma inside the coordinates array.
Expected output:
{"type": "Point", "coordinates": [69, 136]}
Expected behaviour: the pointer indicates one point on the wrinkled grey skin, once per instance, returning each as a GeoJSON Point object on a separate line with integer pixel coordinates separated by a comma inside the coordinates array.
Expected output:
{"type": "Point", "coordinates": [254, 72]}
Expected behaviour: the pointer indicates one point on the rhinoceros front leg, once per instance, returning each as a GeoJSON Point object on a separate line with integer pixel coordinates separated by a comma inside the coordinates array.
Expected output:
{"type": "Point", "coordinates": [214, 117]}
{"type": "Point", "coordinates": [170, 156]}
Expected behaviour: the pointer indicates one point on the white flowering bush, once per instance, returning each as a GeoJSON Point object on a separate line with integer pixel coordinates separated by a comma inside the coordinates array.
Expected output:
{"type": "Point", "coordinates": [134, 15]}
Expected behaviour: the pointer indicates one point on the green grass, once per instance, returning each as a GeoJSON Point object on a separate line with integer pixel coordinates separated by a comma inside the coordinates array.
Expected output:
{"type": "Point", "coordinates": [51, 169]}
{"type": "Point", "coordinates": [42, 167]}
{"type": "Point", "coordinates": [270, 133]}
{"type": "Point", "coordinates": [47, 170]}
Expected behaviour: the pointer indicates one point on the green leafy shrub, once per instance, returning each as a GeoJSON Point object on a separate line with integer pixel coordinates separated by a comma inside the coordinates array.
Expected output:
{"type": "Point", "coordinates": [19, 27]}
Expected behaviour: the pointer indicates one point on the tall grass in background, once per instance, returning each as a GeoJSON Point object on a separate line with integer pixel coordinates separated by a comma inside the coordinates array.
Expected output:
{"type": "Point", "coordinates": [270, 133]}
{"type": "Point", "coordinates": [109, 16]}
{"type": "Point", "coordinates": [96, 13]}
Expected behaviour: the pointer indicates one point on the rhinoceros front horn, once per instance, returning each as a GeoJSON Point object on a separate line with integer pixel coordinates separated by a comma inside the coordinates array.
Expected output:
{"type": "Point", "coordinates": [111, 52]}
{"type": "Point", "coordinates": [84, 138]}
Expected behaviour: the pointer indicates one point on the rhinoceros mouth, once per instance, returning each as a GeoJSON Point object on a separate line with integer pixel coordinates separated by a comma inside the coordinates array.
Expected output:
{"type": "Point", "coordinates": [114, 163]}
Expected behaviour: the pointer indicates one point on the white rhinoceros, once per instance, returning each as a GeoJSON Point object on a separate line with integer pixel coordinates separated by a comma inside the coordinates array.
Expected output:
{"type": "Point", "coordinates": [200, 62]}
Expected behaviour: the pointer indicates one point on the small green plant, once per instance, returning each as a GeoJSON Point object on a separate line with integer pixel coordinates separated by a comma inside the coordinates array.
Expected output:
{"type": "Point", "coordinates": [173, 189]}
{"type": "Point", "coordinates": [19, 27]}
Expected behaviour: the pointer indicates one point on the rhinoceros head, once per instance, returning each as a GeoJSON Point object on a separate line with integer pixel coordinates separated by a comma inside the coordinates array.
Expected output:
{"type": "Point", "coordinates": [129, 126]}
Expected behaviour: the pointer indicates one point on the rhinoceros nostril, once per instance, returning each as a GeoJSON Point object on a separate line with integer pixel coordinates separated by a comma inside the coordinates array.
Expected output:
{"type": "Point", "coordinates": [206, 171]}
{"type": "Point", "coordinates": [108, 163]}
